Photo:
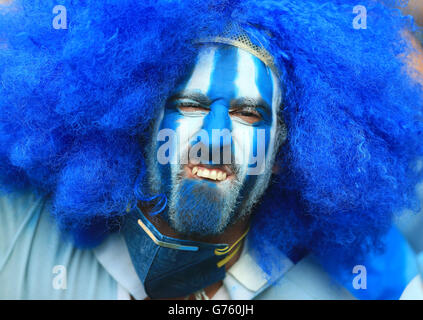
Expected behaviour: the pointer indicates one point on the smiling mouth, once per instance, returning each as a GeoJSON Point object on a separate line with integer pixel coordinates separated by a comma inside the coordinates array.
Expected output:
{"type": "Point", "coordinates": [211, 173]}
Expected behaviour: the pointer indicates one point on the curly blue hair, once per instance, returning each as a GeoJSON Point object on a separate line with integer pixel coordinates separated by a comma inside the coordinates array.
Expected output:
{"type": "Point", "coordinates": [76, 107]}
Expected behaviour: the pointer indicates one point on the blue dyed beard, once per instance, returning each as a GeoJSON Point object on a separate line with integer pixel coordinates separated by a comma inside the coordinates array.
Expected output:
{"type": "Point", "coordinates": [201, 208]}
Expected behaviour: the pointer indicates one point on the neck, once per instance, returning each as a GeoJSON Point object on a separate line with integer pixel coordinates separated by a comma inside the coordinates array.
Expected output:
{"type": "Point", "coordinates": [229, 236]}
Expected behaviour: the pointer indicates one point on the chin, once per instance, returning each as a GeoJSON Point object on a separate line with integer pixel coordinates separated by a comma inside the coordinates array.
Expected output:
{"type": "Point", "coordinates": [201, 208]}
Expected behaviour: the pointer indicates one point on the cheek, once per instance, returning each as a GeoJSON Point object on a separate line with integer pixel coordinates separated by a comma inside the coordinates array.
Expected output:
{"type": "Point", "coordinates": [243, 142]}
{"type": "Point", "coordinates": [250, 143]}
{"type": "Point", "coordinates": [182, 129]}
{"type": "Point", "coordinates": [170, 120]}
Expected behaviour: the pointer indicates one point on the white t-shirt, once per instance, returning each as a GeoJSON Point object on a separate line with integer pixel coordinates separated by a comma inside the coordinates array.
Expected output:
{"type": "Point", "coordinates": [36, 262]}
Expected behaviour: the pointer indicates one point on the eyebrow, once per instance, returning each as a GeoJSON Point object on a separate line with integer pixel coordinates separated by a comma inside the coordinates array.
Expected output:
{"type": "Point", "coordinates": [195, 96]}
{"type": "Point", "coordinates": [258, 103]}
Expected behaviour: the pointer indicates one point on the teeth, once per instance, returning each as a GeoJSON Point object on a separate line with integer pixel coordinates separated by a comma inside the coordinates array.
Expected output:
{"type": "Point", "coordinates": [216, 175]}
{"type": "Point", "coordinates": [220, 176]}
{"type": "Point", "coordinates": [213, 175]}
{"type": "Point", "coordinates": [206, 173]}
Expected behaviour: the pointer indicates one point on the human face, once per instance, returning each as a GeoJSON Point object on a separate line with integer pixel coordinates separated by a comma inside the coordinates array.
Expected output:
{"type": "Point", "coordinates": [224, 116]}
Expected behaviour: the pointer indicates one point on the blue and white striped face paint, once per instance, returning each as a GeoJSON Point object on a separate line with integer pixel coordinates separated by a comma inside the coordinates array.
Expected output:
{"type": "Point", "coordinates": [218, 162]}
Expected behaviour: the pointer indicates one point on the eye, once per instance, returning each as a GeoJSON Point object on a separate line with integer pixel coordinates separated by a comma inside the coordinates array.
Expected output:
{"type": "Point", "coordinates": [191, 108]}
{"type": "Point", "coordinates": [249, 115]}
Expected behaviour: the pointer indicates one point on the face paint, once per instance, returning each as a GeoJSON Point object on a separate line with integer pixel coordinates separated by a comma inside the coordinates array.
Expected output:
{"type": "Point", "coordinates": [227, 105]}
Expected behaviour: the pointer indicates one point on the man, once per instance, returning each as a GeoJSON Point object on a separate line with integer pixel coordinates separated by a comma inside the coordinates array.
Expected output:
{"type": "Point", "coordinates": [273, 140]}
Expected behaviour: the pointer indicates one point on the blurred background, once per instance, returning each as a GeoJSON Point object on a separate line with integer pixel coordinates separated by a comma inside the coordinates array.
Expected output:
{"type": "Point", "coordinates": [415, 8]}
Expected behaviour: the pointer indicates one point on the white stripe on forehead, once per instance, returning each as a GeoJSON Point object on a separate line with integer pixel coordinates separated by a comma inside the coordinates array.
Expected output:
{"type": "Point", "coordinates": [247, 74]}
{"type": "Point", "coordinates": [201, 76]}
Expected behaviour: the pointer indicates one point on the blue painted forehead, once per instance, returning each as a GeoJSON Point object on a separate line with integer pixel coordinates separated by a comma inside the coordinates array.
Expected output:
{"type": "Point", "coordinates": [224, 71]}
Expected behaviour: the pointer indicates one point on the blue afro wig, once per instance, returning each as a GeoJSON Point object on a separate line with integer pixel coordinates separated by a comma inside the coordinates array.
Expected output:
{"type": "Point", "coordinates": [76, 106]}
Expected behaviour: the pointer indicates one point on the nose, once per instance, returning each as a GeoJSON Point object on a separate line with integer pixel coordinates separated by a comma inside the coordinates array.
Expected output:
{"type": "Point", "coordinates": [218, 118]}
{"type": "Point", "coordinates": [218, 126]}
